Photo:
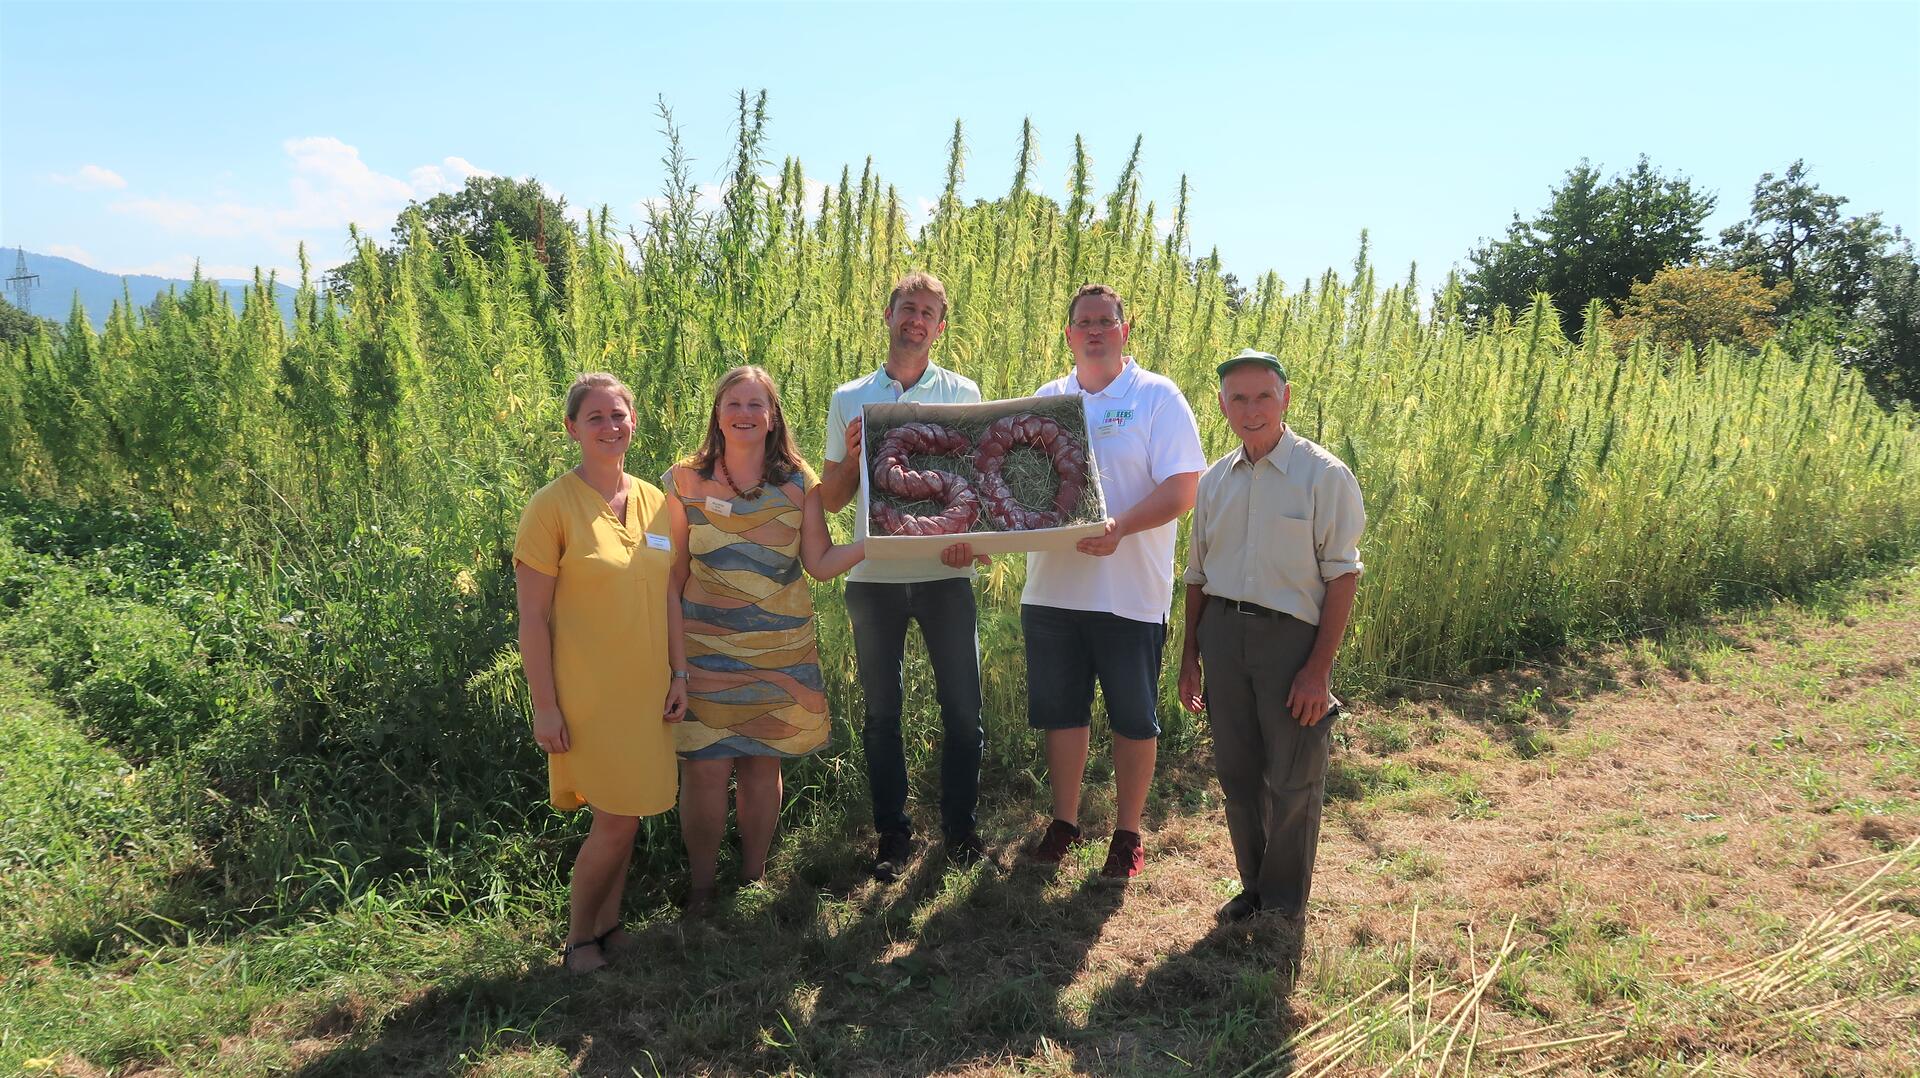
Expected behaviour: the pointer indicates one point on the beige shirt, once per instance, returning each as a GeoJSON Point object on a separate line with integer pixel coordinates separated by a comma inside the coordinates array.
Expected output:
{"type": "Point", "coordinates": [1275, 530]}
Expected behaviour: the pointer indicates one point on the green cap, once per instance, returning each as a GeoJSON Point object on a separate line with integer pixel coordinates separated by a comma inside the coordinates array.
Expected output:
{"type": "Point", "coordinates": [1250, 355]}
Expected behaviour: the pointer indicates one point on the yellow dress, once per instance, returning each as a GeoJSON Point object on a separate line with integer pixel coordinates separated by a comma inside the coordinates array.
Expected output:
{"type": "Point", "coordinates": [609, 643]}
{"type": "Point", "coordinates": [748, 618]}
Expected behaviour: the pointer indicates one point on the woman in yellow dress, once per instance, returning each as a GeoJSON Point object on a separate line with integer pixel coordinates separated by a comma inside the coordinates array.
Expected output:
{"type": "Point", "coordinates": [591, 563]}
{"type": "Point", "coordinates": [746, 520]}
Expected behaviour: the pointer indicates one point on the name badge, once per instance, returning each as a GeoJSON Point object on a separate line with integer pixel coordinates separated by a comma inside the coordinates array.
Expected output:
{"type": "Point", "coordinates": [659, 542]}
{"type": "Point", "coordinates": [719, 507]}
{"type": "Point", "coordinates": [1106, 430]}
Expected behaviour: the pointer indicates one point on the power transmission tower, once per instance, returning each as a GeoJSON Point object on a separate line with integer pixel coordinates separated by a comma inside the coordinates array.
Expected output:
{"type": "Point", "coordinates": [22, 283]}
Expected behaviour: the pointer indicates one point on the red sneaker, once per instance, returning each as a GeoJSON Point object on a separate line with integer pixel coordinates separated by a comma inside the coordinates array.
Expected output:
{"type": "Point", "coordinates": [1054, 844]}
{"type": "Point", "coordinates": [1125, 858]}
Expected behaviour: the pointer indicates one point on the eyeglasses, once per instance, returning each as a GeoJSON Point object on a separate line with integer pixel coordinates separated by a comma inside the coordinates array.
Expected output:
{"type": "Point", "coordinates": [1085, 324]}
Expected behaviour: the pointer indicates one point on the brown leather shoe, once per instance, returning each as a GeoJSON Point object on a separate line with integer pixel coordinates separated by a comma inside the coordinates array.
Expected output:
{"type": "Point", "coordinates": [1125, 857]}
{"type": "Point", "coordinates": [1240, 907]}
{"type": "Point", "coordinates": [1054, 844]}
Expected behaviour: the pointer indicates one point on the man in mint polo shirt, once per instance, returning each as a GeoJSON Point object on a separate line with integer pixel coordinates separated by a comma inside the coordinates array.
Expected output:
{"type": "Point", "coordinates": [883, 596]}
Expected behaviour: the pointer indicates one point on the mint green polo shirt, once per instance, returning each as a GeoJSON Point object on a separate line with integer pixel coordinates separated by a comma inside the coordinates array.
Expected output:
{"type": "Point", "coordinates": [937, 385]}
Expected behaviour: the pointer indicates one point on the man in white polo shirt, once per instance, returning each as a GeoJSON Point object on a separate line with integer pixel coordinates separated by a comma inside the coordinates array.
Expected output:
{"type": "Point", "coordinates": [1273, 563]}
{"type": "Point", "coordinates": [1099, 612]}
{"type": "Point", "coordinates": [883, 596]}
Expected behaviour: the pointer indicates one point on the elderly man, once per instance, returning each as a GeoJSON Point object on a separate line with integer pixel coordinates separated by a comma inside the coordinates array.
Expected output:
{"type": "Point", "coordinates": [1272, 568]}
{"type": "Point", "coordinates": [883, 596]}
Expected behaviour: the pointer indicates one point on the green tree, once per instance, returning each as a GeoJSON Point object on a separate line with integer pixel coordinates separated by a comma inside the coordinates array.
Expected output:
{"type": "Point", "coordinates": [1852, 278]}
{"type": "Point", "coordinates": [489, 205]}
{"type": "Point", "coordinates": [1699, 306]}
{"type": "Point", "coordinates": [1795, 232]}
{"type": "Point", "coordinates": [1596, 237]}
{"type": "Point", "coordinates": [18, 325]}
{"type": "Point", "coordinates": [1886, 343]}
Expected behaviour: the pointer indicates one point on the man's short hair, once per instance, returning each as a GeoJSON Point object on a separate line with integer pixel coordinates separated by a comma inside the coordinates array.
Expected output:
{"type": "Point", "coordinates": [919, 281]}
{"type": "Point", "coordinates": [1097, 290]}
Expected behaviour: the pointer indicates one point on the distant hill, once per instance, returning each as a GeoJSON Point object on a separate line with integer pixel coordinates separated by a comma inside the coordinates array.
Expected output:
{"type": "Point", "coordinates": [62, 278]}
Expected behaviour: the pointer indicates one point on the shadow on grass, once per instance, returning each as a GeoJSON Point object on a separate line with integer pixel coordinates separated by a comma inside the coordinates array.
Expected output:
{"type": "Point", "coordinates": [593, 1020]}
{"type": "Point", "coordinates": [994, 961]}
{"type": "Point", "coordinates": [1219, 1007]}
{"type": "Point", "coordinates": [111, 923]}
{"type": "Point", "coordinates": [828, 974]}
{"type": "Point", "coordinates": [1523, 704]}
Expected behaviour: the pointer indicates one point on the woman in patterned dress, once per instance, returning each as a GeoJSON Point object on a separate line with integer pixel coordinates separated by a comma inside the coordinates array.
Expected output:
{"type": "Point", "coordinates": [746, 520]}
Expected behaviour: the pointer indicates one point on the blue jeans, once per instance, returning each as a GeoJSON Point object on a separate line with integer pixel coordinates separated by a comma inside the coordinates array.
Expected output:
{"type": "Point", "coordinates": [945, 611]}
{"type": "Point", "coordinates": [1067, 650]}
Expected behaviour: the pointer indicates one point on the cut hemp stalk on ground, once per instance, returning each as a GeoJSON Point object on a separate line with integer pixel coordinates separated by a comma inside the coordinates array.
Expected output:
{"type": "Point", "coordinates": [1866, 915]}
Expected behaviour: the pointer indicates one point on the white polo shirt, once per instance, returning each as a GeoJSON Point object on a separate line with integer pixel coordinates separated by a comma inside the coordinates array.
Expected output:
{"type": "Point", "coordinates": [937, 385]}
{"type": "Point", "coordinates": [1143, 434]}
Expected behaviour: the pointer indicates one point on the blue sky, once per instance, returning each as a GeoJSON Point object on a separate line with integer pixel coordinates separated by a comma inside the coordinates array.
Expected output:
{"type": "Point", "coordinates": [137, 138]}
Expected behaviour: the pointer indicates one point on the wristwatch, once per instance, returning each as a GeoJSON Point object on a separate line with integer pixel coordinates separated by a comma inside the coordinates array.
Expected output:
{"type": "Point", "coordinates": [681, 675]}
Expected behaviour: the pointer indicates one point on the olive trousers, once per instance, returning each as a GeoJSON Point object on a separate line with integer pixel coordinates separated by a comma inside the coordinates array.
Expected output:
{"type": "Point", "coordinates": [1272, 770]}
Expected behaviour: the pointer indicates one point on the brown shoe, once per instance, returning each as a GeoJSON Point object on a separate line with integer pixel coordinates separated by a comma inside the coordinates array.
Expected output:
{"type": "Point", "coordinates": [1239, 908]}
{"type": "Point", "coordinates": [1125, 857]}
{"type": "Point", "coordinates": [1060, 837]}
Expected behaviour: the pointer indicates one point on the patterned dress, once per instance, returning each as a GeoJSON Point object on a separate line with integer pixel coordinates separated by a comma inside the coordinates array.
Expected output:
{"type": "Point", "coordinates": [755, 687]}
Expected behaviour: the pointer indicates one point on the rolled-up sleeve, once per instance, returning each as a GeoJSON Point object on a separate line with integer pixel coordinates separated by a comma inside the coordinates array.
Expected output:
{"type": "Point", "coordinates": [1196, 573]}
{"type": "Point", "coordinates": [541, 541]}
{"type": "Point", "coordinates": [1339, 516]}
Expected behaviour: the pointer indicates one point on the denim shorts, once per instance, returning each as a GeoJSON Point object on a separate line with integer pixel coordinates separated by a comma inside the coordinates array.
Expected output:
{"type": "Point", "coordinates": [1067, 650]}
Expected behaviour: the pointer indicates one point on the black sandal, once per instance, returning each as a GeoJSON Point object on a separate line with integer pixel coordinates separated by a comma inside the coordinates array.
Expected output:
{"type": "Point", "coordinates": [567, 952]}
{"type": "Point", "coordinates": [601, 939]}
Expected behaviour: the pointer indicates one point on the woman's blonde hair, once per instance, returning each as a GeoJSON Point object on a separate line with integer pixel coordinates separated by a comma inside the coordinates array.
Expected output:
{"type": "Point", "coordinates": [591, 381]}
{"type": "Point", "coordinates": [783, 456]}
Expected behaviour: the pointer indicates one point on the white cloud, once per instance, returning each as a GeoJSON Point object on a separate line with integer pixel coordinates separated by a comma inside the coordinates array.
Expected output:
{"type": "Point", "coordinates": [91, 178]}
{"type": "Point", "coordinates": [812, 193]}
{"type": "Point", "coordinates": [707, 198]}
{"type": "Point", "coordinates": [67, 250]}
{"type": "Point", "coordinates": [223, 220]}
{"type": "Point", "coordinates": [180, 267]}
{"type": "Point", "coordinates": [450, 174]}
{"type": "Point", "coordinates": [329, 186]}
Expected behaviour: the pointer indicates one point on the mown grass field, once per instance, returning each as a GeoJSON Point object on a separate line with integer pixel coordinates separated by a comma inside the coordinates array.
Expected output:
{"type": "Point", "coordinates": [1634, 823]}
